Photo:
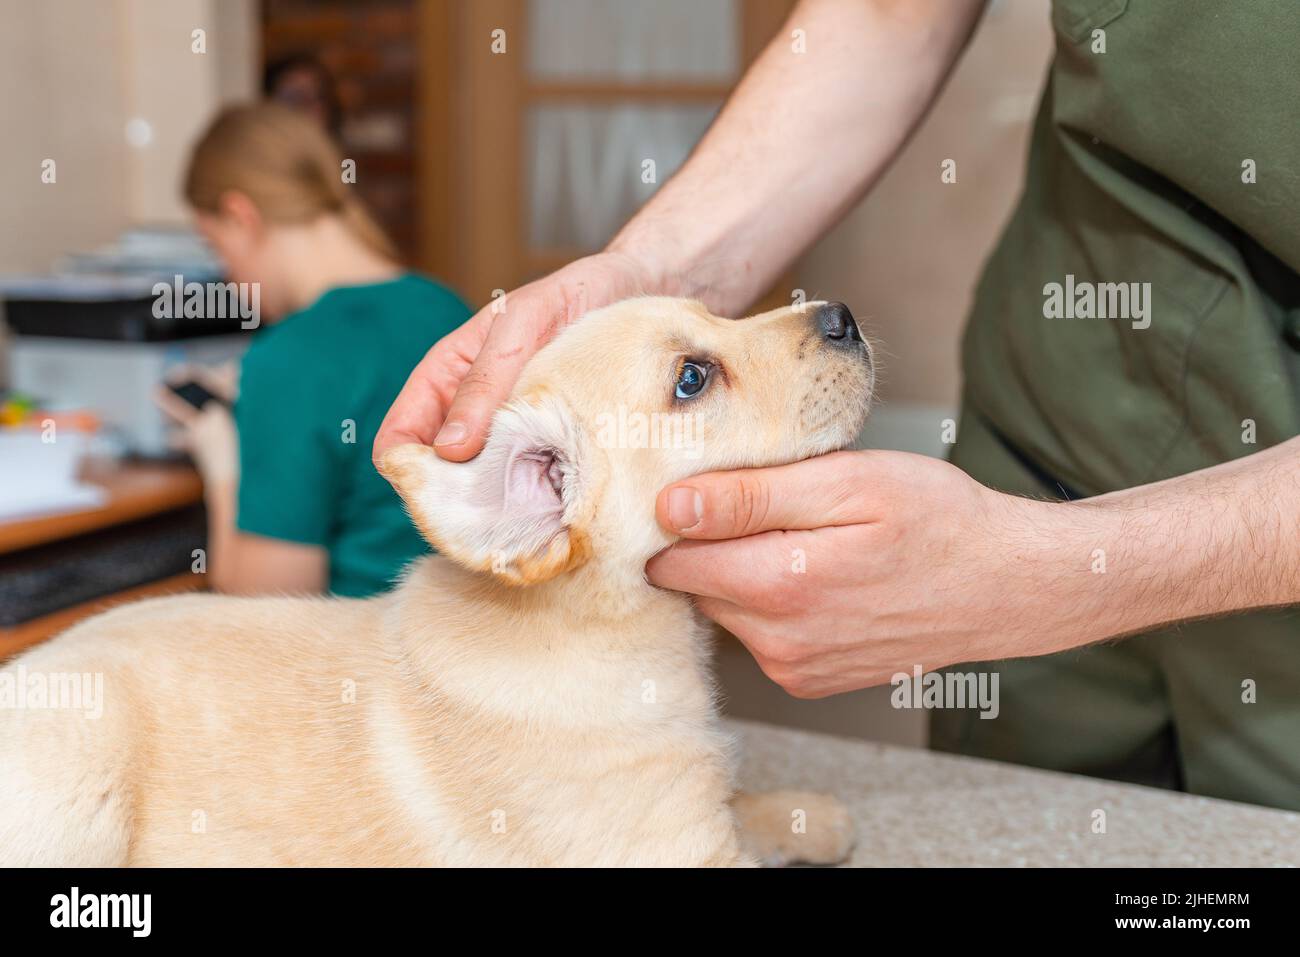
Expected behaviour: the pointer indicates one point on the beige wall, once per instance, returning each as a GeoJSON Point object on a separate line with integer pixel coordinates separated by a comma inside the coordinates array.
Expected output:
{"type": "Point", "coordinates": [907, 258]}
{"type": "Point", "coordinates": [176, 90]}
{"type": "Point", "coordinates": [61, 97]}
{"type": "Point", "coordinates": [72, 74]}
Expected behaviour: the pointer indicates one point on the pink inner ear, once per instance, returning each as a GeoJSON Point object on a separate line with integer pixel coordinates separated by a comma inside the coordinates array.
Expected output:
{"type": "Point", "coordinates": [534, 482]}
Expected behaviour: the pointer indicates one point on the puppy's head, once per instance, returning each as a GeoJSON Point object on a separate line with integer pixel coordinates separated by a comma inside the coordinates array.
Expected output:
{"type": "Point", "coordinates": [629, 399]}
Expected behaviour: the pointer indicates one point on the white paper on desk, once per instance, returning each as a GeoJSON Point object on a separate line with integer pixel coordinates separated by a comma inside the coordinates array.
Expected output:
{"type": "Point", "coordinates": [40, 478]}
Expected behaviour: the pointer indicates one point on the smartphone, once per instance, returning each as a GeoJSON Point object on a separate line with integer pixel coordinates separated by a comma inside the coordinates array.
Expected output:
{"type": "Point", "coordinates": [195, 394]}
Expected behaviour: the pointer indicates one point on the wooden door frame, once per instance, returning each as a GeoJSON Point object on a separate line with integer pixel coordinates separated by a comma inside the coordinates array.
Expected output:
{"type": "Point", "coordinates": [438, 128]}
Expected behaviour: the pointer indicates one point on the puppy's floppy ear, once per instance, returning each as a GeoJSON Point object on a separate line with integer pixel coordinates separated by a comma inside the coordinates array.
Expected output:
{"type": "Point", "coordinates": [509, 510]}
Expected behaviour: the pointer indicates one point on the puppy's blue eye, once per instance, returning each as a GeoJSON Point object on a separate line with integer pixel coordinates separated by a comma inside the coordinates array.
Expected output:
{"type": "Point", "coordinates": [691, 380]}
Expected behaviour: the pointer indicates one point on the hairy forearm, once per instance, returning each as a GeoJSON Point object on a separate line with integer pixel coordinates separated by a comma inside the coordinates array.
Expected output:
{"type": "Point", "coordinates": [1213, 542]}
{"type": "Point", "coordinates": [1219, 540]}
{"type": "Point", "coordinates": [801, 139]}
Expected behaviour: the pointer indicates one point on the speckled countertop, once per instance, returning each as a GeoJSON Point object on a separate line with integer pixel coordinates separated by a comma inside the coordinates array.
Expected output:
{"type": "Point", "coordinates": [920, 808]}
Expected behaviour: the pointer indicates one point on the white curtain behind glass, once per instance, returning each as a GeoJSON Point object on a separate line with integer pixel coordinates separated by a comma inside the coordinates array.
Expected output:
{"type": "Point", "coordinates": [585, 174]}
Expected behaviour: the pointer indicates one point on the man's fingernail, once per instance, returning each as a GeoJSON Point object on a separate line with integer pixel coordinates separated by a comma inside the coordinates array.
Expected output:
{"type": "Point", "coordinates": [453, 433]}
{"type": "Point", "coordinates": [685, 508]}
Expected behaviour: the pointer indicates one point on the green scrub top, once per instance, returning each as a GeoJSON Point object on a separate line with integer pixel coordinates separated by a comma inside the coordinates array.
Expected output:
{"type": "Point", "coordinates": [314, 388]}
{"type": "Point", "coordinates": [1166, 152]}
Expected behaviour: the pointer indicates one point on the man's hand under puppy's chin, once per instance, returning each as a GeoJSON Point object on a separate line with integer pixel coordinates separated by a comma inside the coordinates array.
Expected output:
{"type": "Point", "coordinates": [841, 571]}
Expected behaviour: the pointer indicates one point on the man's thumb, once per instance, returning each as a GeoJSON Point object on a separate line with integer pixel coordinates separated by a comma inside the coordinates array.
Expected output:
{"type": "Point", "coordinates": [811, 494]}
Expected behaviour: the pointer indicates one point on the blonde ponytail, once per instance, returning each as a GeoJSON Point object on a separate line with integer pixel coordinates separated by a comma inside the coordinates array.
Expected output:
{"type": "Point", "coordinates": [284, 163]}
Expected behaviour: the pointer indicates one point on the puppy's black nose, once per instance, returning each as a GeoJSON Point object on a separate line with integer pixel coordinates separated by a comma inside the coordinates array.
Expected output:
{"type": "Point", "coordinates": [835, 322]}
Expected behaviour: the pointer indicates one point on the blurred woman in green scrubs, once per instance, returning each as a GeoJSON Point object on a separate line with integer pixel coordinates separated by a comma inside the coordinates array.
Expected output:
{"type": "Point", "coordinates": [294, 503]}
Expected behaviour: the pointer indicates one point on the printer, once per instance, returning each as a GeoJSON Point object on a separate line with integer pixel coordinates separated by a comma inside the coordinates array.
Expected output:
{"type": "Point", "coordinates": [105, 333]}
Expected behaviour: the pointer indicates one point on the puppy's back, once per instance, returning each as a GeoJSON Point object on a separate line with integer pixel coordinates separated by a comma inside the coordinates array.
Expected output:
{"type": "Point", "coordinates": [192, 706]}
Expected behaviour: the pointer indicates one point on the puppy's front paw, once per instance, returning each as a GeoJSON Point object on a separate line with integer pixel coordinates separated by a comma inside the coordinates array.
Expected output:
{"type": "Point", "coordinates": [794, 827]}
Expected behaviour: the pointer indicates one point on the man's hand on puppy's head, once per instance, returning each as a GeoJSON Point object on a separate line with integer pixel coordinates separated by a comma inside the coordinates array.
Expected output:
{"type": "Point", "coordinates": [450, 397]}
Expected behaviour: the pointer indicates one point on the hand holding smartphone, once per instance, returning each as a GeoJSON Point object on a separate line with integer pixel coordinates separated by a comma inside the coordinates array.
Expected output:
{"type": "Point", "coordinates": [195, 393]}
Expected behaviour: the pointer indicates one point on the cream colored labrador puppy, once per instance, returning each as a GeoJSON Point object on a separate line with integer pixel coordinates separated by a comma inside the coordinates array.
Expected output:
{"type": "Point", "coordinates": [522, 698]}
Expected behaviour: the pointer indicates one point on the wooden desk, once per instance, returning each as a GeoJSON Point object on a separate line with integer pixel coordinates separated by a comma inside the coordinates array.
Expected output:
{"type": "Point", "coordinates": [135, 491]}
